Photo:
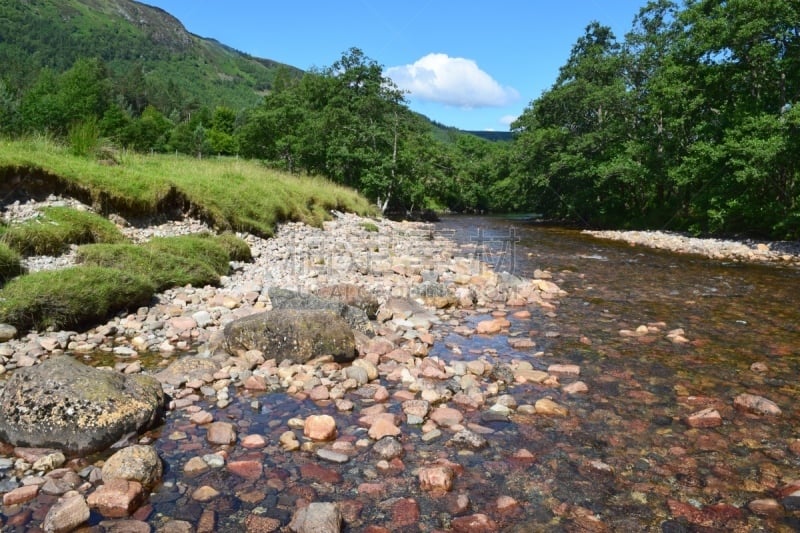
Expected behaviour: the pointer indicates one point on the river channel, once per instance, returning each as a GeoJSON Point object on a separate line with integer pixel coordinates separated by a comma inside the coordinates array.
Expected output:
{"type": "Point", "coordinates": [657, 337]}
{"type": "Point", "coordinates": [623, 459]}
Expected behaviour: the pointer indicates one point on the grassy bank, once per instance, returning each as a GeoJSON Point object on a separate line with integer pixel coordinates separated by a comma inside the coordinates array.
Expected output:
{"type": "Point", "coordinates": [231, 194]}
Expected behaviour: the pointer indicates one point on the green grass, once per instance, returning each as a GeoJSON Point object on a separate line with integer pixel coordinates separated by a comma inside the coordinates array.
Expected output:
{"type": "Point", "coordinates": [9, 263]}
{"type": "Point", "coordinates": [167, 262]}
{"type": "Point", "coordinates": [71, 298]}
{"type": "Point", "coordinates": [232, 194]}
{"type": "Point", "coordinates": [58, 227]}
{"type": "Point", "coordinates": [369, 226]}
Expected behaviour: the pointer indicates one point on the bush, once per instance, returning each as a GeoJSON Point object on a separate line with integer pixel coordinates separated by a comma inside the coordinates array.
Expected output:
{"type": "Point", "coordinates": [56, 228]}
{"type": "Point", "coordinates": [84, 138]}
{"type": "Point", "coordinates": [71, 298]}
{"type": "Point", "coordinates": [166, 262]}
{"type": "Point", "coordinates": [10, 265]}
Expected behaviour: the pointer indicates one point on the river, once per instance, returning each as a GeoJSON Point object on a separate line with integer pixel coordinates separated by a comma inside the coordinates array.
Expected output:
{"type": "Point", "coordinates": [642, 387]}
{"type": "Point", "coordinates": [657, 337]}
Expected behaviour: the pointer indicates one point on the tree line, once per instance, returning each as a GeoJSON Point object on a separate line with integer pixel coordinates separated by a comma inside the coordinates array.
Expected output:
{"type": "Point", "coordinates": [688, 123]}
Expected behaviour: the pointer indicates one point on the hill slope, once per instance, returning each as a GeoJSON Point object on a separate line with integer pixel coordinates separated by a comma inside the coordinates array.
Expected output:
{"type": "Point", "coordinates": [142, 44]}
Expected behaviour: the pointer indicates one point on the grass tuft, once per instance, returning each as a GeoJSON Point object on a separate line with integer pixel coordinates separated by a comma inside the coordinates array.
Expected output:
{"type": "Point", "coordinates": [56, 228]}
{"type": "Point", "coordinates": [169, 261]}
{"type": "Point", "coordinates": [10, 263]}
{"type": "Point", "coordinates": [71, 298]}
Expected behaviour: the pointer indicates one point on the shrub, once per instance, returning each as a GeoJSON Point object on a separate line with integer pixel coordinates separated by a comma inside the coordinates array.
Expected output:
{"type": "Point", "coordinates": [58, 227]}
{"type": "Point", "coordinates": [71, 298]}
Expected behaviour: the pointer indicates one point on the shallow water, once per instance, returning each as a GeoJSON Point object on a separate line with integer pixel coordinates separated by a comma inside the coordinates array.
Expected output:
{"type": "Point", "coordinates": [623, 456]}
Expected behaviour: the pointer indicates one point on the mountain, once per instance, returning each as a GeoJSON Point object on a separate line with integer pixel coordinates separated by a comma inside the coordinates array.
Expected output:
{"type": "Point", "coordinates": [133, 40]}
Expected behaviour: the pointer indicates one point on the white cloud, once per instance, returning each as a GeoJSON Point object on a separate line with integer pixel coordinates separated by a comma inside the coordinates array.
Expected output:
{"type": "Point", "coordinates": [454, 81]}
{"type": "Point", "coordinates": [508, 119]}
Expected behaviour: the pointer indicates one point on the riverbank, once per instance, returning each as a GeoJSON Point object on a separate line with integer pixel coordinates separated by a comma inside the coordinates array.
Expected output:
{"type": "Point", "coordinates": [784, 252]}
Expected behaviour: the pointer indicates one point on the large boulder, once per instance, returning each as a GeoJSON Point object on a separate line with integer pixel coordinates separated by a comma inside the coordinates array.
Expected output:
{"type": "Point", "coordinates": [293, 334]}
{"type": "Point", "coordinates": [352, 295]}
{"type": "Point", "coordinates": [66, 405]}
{"type": "Point", "coordinates": [356, 317]}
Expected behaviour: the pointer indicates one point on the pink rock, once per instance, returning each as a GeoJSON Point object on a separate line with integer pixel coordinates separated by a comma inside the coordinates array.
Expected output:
{"type": "Point", "coordinates": [247, 469]}
{"type": "Point", "coordinates": [320, 392]}
{"type": "Point", "coordinates": [20, 495]}
{"type": "Point", "coordinates": [201, 417]}
{"type": "Point", "coordinates": [573, 370]}
{"type": "Point", "coordinates": [488, 327]}
{"type": "Point", "coordinates": [320, 427]}
{"type": "Point", "coordinates": [376, 490]}
{"type": "Point", "coordinates": [261, 524]}
{"type": "Point", "coordinates": [756, 404]}
{"type": "Point", "coordinates": [707, 418]}
{"type": "Point", "coordinates": [381, 394]}
{"type": "Point", "coordinates": [476, 523]}
{"type": "Point", "coordinates": [383, 426]}
{"type": "Point", "coordinates": [182, 323]}
{"type": "Point", "coordinates": [766, 507]}
{"type": "Point", "coordinates": [221, 433]}
{"type": "Point", "coordinates": [446, 416]}
{"type": "Point", "coordinates": [205, 493]}
{"type": "Point", "coordinates": [117, 498]}
{"type": "Point", "coordinates": [257, 383]}
{"type": "Point", "coordinates": [254, 442]}
{"type": "Point", "coordinates": [575, 387]}
{"type": "Point", "coordinates": [436, 478]}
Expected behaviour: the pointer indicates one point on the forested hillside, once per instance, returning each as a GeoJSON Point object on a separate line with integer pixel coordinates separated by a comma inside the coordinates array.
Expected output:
{"type": "Point", "coordinates": [689, 122]}
{"type": "Point", "coordinates": [149, 55]}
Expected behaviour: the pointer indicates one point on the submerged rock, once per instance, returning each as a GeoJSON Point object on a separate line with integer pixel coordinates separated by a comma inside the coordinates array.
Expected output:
{"type": "Point", "coordinates": [66, 405]}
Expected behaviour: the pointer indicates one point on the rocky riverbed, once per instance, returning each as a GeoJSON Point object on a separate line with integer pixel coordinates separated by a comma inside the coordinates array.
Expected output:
{"type": "Point", "coordinates": [457, 414]}
{"type": "Point", "coordinates": [787, 252]}
{"type": "Point", "coordinates": [385, 407]}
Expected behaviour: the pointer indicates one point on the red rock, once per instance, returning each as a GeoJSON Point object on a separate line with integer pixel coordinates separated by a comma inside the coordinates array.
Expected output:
{"type": "Point", "coordinates": [405, 512]}
{"type": "Point", "coordinates": [756, 404]}
{"type": "Point", "coordinates": [319, 473]}
{"type": "Point", "coordinates": [117, 498]}
{"type": "Point", "coordinates": [436, 478]}
{"type": "Point", "coordinates": [31, 455]}
{"type": "Point", "coordinates": [20, 495]}
{"type": "Point", "coordinates": [476, 523]}
{"type": "Point", "coordinates": [707, 418]}
{"type": "Point", "coordinates": [320, 427]}
{"type": "Point", "coordinates": [522, 314]}
{"type": "Point", "coordinates": [377, 529]}
{"type": "Point", "coordinates": [247, 469]}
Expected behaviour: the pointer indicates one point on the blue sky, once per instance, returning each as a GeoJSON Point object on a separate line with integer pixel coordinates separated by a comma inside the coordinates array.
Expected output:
{"type": "Point", "coordinates": [469, 64]}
